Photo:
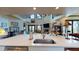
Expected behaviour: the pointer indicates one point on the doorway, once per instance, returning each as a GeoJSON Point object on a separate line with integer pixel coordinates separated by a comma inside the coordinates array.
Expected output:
{"type": "Point", "coordinates": [31, 28]}
{"type": "Point", "coordinates": [74, 27]}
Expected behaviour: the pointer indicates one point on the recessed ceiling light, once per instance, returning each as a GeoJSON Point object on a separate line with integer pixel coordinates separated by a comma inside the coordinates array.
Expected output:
{"type": "Point", "coordinates": [34, 8]}
{"type": "Point", "coordinates": [57, 7]}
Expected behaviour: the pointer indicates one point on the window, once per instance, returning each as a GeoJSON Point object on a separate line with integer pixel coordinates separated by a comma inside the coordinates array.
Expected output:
{"type": "Point", "coordinates": [39, 27]}
{"type": "Point", "coordinates": [38, 16]}
{"type": "Point", "coordinates": [31, 28]}
{"type": "Point", "coordinates": [33, 16]}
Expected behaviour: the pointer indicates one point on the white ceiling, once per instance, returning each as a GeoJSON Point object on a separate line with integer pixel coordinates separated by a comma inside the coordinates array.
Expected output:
{"type": "Point", "coordinates": [29, 10]}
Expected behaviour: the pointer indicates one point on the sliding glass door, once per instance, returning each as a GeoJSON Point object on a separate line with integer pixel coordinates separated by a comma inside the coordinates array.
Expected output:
{"type": "Point", "coordinates": [74, 27]}
{"type": "Point", "coordinates": [35, 28]}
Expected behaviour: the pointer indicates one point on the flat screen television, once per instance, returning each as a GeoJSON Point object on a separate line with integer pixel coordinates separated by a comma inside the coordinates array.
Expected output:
{"type": "Point", "coordinates": [46, 25]}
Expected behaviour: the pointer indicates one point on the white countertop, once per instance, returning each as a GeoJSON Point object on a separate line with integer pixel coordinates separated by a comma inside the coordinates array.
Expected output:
{"type": "Point", "coordinates": [21, 40]}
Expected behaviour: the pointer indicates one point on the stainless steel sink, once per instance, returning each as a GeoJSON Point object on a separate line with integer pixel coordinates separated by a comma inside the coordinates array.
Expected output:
{"type": "Point", "coordinates": [44, 41]}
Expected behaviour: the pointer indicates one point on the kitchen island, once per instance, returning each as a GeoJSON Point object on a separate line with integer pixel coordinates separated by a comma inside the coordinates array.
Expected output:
{"type": "Point", "coordinates": [23, 41]}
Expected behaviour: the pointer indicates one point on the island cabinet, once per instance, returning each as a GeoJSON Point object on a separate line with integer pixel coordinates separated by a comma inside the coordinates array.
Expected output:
{"type": "Point", "coordinates": [16, 48]}
{"type": "Point", "coordinates": [45, 48]}
{"type": "Point", "coordinates": [36, 48]}
{"type": "Point", "coordinates": [2, 48]}
{"type": "Point", "coordinates": [13, 48]}
{"type": "Point", "coordinates": [31, 48]}
{"type": "Point", "coordinates": [71, 49]}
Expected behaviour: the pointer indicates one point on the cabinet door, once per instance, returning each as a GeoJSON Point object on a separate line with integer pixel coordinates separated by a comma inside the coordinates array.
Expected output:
{"type": "Point", "coordinates": [71, 49]}
{"type": "Point", "coordinates": [45, 48]}
{"type": "Point", "coordinates": [16, 48]}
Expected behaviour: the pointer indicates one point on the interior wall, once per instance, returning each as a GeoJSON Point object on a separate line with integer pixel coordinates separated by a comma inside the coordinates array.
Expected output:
{"type": "Point", "coordinates": [4, 23]}
{"type": "Point", "coordinates": [71, 10]}
{"type": "Point", "coordinates": [8, 21]}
